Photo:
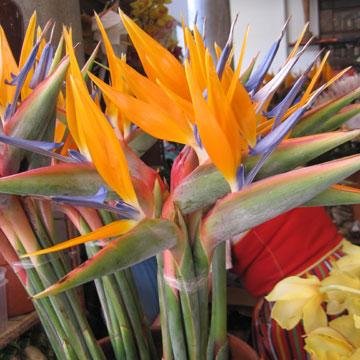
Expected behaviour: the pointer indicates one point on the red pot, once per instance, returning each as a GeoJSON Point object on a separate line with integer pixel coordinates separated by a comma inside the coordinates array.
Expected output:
{"type": "Point", "coordinates": [240, 350]}
{"type": "Point", "coordinates": [18, 301]}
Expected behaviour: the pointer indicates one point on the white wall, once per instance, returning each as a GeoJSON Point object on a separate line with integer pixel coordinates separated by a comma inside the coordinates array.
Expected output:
{"type": "Point", "coordinates": [294, 9]}
{"type": "Point", "coordinates": [266, 18]}
{"type": "Point", "coordinates": [178, 9]}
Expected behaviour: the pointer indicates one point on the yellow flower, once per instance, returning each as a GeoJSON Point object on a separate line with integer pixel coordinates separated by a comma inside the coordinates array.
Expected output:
{"type": "Point", "coordinates": [298, 299]}
{"type": "Point", "coordinates": [345, 325]}
{"type": "Point", "coordinates": [8, 66]}
{"type": "Point", "coordinates": [89, 127]}
{"type": "Point", "coordinates": [340, 292]}
{"type": "Point", "coordinates": [220, 112]}
{"type": "Point", "coordinates": [327, 344]}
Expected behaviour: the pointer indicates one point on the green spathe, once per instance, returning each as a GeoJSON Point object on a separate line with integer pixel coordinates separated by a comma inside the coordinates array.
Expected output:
{"type": "Point", "coordinates": [205, 185]}
{"type": "Point", "coordinates": [268, 198]}
{"type": "Point", "coordinates": [147, 239]}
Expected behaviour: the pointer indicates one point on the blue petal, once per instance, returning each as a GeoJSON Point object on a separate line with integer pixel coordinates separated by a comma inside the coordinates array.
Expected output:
{"type": "Point", "coordinates": [282, 106]}
{"type": "Point", "coordinates": [251, 176]}
{"type": "Point", "coordinates": [220, 66]}
{"type": "Point", "coordinates": [98, 198]}
{"type": "Point", "coordinates": [20, 79]}
{"type": "Point", "coordinates": [276, 135]}
{"type": "Point", "coordinates": [39, 147]}
{"type": "Point", "coordinates": [97, 201]}
{"type": "Point", "coordinates": [271, 140]}
{"type": "Point", "coordinates": [288, 100]}
{"type": "Point", "coordinates": [77, 156]}
{"type": "Point", "coordinates": [197, 136]}
{"type": "Point", "coordinates": [43, 67]}
{"type": "Point", "coordinates": [258, 76]}
{"type": "Point", "coordinates": [126, 208]}
{"type": "Point", "coordinates": [269, 89]}
{"type": "Point", "coordinates": [240, 176]}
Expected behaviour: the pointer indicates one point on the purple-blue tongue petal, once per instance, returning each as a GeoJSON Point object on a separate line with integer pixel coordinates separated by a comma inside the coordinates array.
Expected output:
{"type": "Point", "coordinates": [43, 67]}
{"type": "Point", "coordinates": [19, 80]}
{"type": "Point", "coordinates": [40, 147]}
{"type": "Point", "coordinates": [258, 75]}
{"type": "Point", "coordinates": [279, 110]}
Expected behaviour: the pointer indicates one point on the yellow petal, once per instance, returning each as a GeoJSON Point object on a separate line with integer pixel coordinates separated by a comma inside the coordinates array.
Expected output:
{"type": "Point", "coordinates": [184, 104]}
{"type": "Point", "coordinates": [74, 66]}
{"type": "Point", "coordinates": [339, 278]}
{"type": "Point", "coordinates": [346, 327]}
{"type": "Point", "coordinates": [113, 229]}
{"type": "Point", "coordinates": [353, 304]}
{"type": "Point", "coordinates": [158, 62]}
{"type": "Point", "coordinates": [356, 319]}
{"type": "Point", "coordinates": [355, 355]}
{"type": "Point", "coordinates": [27, 46]}
{"type": "Point", "coordinates": [151, 118]}
{"type": "Point", "coordinates": [72, 123]}
{"type": "Point", "coordinates": [104, 147]}
{"type": "Point", "coordinates": [212, 136]}
{"type": "Point", "coordinates": [197, 58]}
{"type": "Point", "coordinates": [118, 121]}
{"type": "Point", "coordinates": [337, 300]}
{"type": "Point", "coordinates": [294, 287]}
{"type": "Point", "coordinates": [74, 71]}
{"type": "Point", "coordinates": [335, 307]}
{"type": "Point", "coordinates": [7, 67]}
{"type": "Point", "coordinates": [313, 81]}
{"type": "Point", "coordinates": [110, 54]}
{"type": "Point", "coordinates": [349, 264]}
{"type": "Point", "coordinates": [148, 91]}
{"type": "Point", "coordinates": [298, 42]}
{"type": "Point", "coordinates": [245, 114]}
{"type": "Point", "coordinates": [235, 79]}
{"type": "Point", "coordinates": [327, 344]}
{"type": "Point", "coordinates": [349, 248]}
{"type": "Point", "coordinates": [288, 313]}
{"type": "Point", "coordinates": [314, 315]}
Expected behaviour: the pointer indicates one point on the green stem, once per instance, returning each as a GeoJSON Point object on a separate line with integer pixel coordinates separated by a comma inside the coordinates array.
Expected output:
{"type": "Point", "coordinates": [56, 317]}
{"type": "Point", "coordinates": [117, 305]}
{"type": "Point", "coordinates": [175, 321]}
{"type": "Point", "coordinates": [144, 321]}
{"type": "Point", "coordinates": [165, 335]}
{"type": "Point", "coordinates": [58, 345]}
{"type": "Point", "coordinates": [188, 291]}
{"type": "Point", "coordinates": [111, 322]}
{"type": "Point", "coordinates": [54, 269]}
{"type": "Point", "coordinates": [135, 319]}
{"type": "Point", "coordinates": [134, 309]}
{"type": "Point", "coordinates": [218, 345]}
{"type": "Point", "coordinates": [112, 305]}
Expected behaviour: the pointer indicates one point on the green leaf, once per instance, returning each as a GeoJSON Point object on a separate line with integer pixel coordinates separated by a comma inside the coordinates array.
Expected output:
{"type": "Point", "coordinates": [205, 185]}
{"type": "Point", "coordinates": [337, 120]}
{"type": "Point", "coordinates": [298, 151]}
{"type": "Point", "coordinates": [62, 179]}
{"type": "Point", "coordinates": [311, 123]}
{"type": "Point", "coordinates": [336, 195]}
{"type": "Point", "coordinates": [147, 239]}
{"type": "Point", "coordinates": [268, 198]}
{"type": "Point", "coordinates": [140, 142]}
{"type": "Point", "coordinates": [33, 117]}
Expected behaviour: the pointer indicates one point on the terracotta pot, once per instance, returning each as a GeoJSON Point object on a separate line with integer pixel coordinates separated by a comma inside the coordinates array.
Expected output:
{"type": "Point", "coordinates": [239, 349]}
{"type": "Point", "coordinates": [18, 301]}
